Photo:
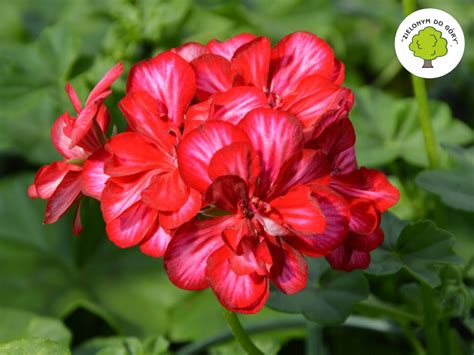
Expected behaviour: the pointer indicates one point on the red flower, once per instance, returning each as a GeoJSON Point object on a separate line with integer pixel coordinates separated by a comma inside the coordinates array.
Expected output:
{"type": "Point", "coordinates": [299, 75]}
{"type": "Point", "coordinates": [145, 197]}
{"type": "Point", "coordinates": [77, 140]}
{"type": "Point", "coordinates": [277, 204]}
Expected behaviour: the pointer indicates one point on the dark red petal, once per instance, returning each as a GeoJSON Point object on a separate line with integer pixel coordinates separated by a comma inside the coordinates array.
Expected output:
{"type": "Point", "coordinates": [67, 192]}
{"type": "Point", "coordinates": [237, 293]}
{"type": "Point", "coordinates": [190, 51]}
{"type": "Point", "coordinates": [365, 243]}
{"type": "Point", "coordinates": [166, 192]}
{"type": "Point", "coordinates": [369, 184]}
{"type": "Point", "coordinates": [296, 56]}
{"type": "Point", "coordinates": [237, 159]}
{"type": "Point", "coordinates": [227, 48]}
{"type": "Point", "coordinates": [252, 62]}
{"type": "Point", "coordinates": [186, 257]}
{"type": "Point", "coordinates": [226, 192]}
{"type": "Point", "coordinates": [156, 242]}
{"type": "Point", "coordinates": [133, 153]}
{"type": "Point", "coordinates": [300, 210]}
{"type": "Point", "coordinates": [93, 175]}
{"type": "Point", "coordinates": [347, 259]}
{"type": "Point", "coordinates": [364, 216]}
{"type": "Point", "coordinates": [276, 137]}
{"type": "Point", "coordinates": [199, 146]}
{"type": "Point", "coordinates": [131, 227]}
{"type": "Point", "coordinates": [336, 212]}
{"type": "Point", "coordinates": [289, 271]}
{"type": "Point", "coordinates": [234, 104]}
{"type": "Point", "coordinates": [213, 74]}
{"type": "Point", "coordinates": [185, 213]}
{"type": "Point", "coordinates": [169, 79]}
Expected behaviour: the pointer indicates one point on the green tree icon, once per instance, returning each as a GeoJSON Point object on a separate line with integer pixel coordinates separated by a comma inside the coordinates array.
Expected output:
{"type": "Point", "coordinates": [428, 45]}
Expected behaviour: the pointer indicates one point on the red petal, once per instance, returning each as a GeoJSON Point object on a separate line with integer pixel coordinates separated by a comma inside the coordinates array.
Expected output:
{"type": "Point", "coordinates": [276, 137]}
{"type": "Point", "coordinates": [347, 259]}
{"type": "Point", "coordinates": [105, 83]}
{"type": "Point", "coordinates": [167, 192]}
{"type": "Point", "coordinates": [234, 104]}
{"type": "Point", "coordinates": [199, 146]}
{"type": "Point", "coordinates": [299, 209]}
{"type": "Point", "coordinates": [144, 116]}
{"type": "Point", "coordinates": [213, 74]}
{"type": "Point", "coordinates": [63, 197]}
{"type": "Point", "coordinates": [134, 153]}
{"type": "Point", "coordinates": [77, 226]}
{"type": "Point", "coordinates": [226, 192]}
{"type": "Point", "coordinates": [60, 136]}
{"type": "Point", "coordinates": [131, 227]}
{"type": "Point", "coordinates": [336, 212]}
{"type": "Point", "coordinates": [369, 184]}
{"type": "Point", "coordinates": [296, 56]}
{"type": "Point", "coordinates": [364, 216]}
{"type": "Point", "coordinates": [156, 242]}
{"type": "Point", "coordinates": [190, 51]}
{"type": "Point", "coordinates": [185, 259]}
{"type": "Point", "coordinates": [185, 213]}
{"type": "Point", "coordinates": [238, 159]}
{"type": "Point", "coordinates": [32, 192]}
{"type": "Point", "coordinates": [234, 233]}
{"type": "Point", "coordinates": [227, 48]}
{"type": "Point", "coordinates": [76, 103]}
{"type": "Point", "coordinates": [169, 79]}
{"type": "Point", "coordinates": [93, 175]}
{"type": "Point", "coordinates": [365, 243]}
{"type": "Point", "coordinates": [252, 62]}
{"type": "Point", "coordinates": [290, 270]}
{"type": "Point", "coordinates": [49, 177]}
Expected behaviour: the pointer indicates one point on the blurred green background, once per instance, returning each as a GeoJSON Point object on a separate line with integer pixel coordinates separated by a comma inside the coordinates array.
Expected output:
{"type": "Point", "coordinates": [97, 290]}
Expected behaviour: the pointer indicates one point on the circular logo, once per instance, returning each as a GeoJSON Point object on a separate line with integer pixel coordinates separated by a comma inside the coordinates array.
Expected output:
{"type": "Point", "coordinates": [429, 43]}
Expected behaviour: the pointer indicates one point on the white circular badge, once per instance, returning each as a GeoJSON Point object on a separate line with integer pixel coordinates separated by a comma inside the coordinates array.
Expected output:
{"type": "Point", "coordinates": [429, 43]}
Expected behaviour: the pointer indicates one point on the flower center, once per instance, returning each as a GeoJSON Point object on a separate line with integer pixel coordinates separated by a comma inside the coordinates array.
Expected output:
{"type": "Point", "coordinates": [248, 208]}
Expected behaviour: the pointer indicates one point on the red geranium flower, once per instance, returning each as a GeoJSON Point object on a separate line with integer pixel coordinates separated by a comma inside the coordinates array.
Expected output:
{"type": "Point", "coordinates": [76, 139]}
{"type": "Point", "coordinates": [145, 197]}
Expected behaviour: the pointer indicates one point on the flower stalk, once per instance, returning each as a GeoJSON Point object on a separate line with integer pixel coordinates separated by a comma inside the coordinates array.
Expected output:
{"type": "Point", "coordinates": [239, 333]}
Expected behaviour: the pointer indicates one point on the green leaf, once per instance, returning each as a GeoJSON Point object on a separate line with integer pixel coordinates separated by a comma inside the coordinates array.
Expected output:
{"type": "Point", "coordinates": [328, 297]}
{"type": "Point", "coordinates": [46, 269]}
{"type": "Point", "coordinates": [417, 247]}
{"type": "Point", "coordinates": [388, 128]}
{"type": "Point", "coordinates": [456, 185]}
{"type": "Point", "coordinates": [17, 324]}
{"type": "Point", "coordinates": [33, 346]}
{"type": "Point", "coordinates": [123, 346]}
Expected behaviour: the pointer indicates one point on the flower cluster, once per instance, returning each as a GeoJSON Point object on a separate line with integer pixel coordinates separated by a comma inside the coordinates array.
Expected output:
{"type": "Point", "coordinates": [238, 162]}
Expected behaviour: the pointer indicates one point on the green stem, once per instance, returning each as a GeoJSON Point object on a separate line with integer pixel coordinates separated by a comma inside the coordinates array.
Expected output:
{"type": "Point", "coordinates": [239, 333]}
{"type": "Point", "coordinates": [430, 321]}
{"type": "Point", "coordinates": [373, 306]}
{"type": "Point", "coordinates": [419, 88]}
{"type": "Point", "coordinates": [314, 339]}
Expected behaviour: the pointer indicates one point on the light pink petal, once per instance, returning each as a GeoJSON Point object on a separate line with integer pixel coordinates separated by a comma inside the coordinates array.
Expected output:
{"type": "Point", "coordinates": [167, 78]}
{"type": "Point", "coordinates": [276, 137]}
{"type": "Point", "coordinates": [156, 242]}
{"type": "Point", "coordinates": [190, 51]}
{"type": "Point", "coordinates": [227, 48]}
{"type": "Point", "coordinates": [186, 256]}
{"type": "Point", "coordinates": [199, 146]}
{"type": "Point", "coordinates": [67, 192]}
{"type": "Point", "coordinates": [213, 74]}
{"type": "Point", "coordinates": [185, 213]}
{"type": "Point", "coordinates": [252, 62]}
{"type": "Point", "coordinates": [93, 175]}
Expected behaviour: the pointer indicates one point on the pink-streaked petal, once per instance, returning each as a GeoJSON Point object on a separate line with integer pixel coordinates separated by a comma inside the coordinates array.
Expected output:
{"type": "Point", "coordinates": [199, 146]}
{"type": "Point", "coordinates": [237, 159]}
{"type": "Point", "coordinates": [145, 116]}
{"type": "Point", "coordinates": [364, 216]}
{"type": "Point", "coordinates": [156, 242]}
{"type": "Point", "coordinates": [234, 104]}
{"type": "Point", "coordinates": [185, 213]}
{"type": "Point", "coordinates": [190, 51]}
{"type": "Point", "coordinates": [134, 153]}
{"type": "Point", "coordinates": [67, 192]}
{"type": "Point", "coordinates": [276, 136]}
{"type": "Point", "coordinates": [105, 83]}
{"type": "Point", "coordinates": [347, 259]}
{"type": "Point", "coordinates": [345, 162]}
{"type": "Point", "coordinates": [131, 227]}
{"type": "Point", "coordinates": [369, 184]}
{"type": "Point", "coordinates": [227, 48]}
{"type": "Point", "coordinates": [226, 192]}
{"type": "Point", "coordinates": [296, 56]}
{"type": "Point", "coordinates": [337, 214]}
{"type": "Point", "coordinates": [252, 62]}
{"type": "Point", "coordinates": [365, 243]}
{"type": "Point", "coordinates": [49, 177]}
{"type": "Point", "coordinates": [213, 74]}
{"type": "Point", "coordinates": [300, 210]}
{"type": "Point", "coordinates": [289, 271]}
{"type": "Point", "coordinates": [167, 78]}
{"type": "Point", "coordinates": [186, 256]}
{"type": "Point", "coordinates": [167, 192]}
{"type": "Point", "coordinates": [61, 139]}
{"type": "Point", "coordinates": [93, 175]}
{"type": "Point", "coordinates": [237, 293]}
